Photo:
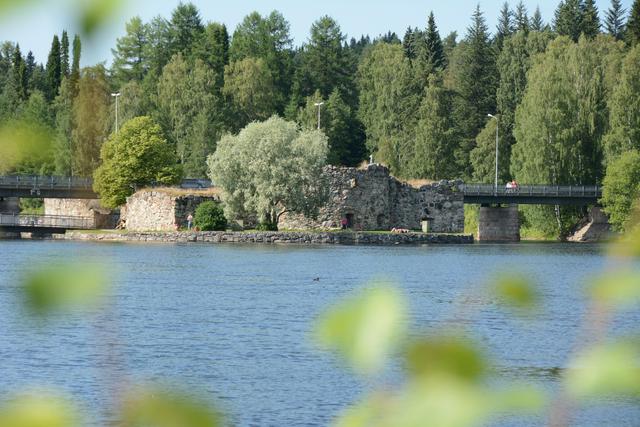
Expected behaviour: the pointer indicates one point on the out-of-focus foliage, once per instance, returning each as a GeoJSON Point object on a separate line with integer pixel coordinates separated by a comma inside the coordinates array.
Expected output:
{"type": "Point", "coordinates": [39, 409]}
{"type": "Point", "coordinates": [365, 328]}
{"type": "Point", "coordinates": [620, 289]}
{"type": "Point", "coordinates": [163, 408]}
{"type": "Point", "coordinates": [516, 291]}
{"type": "Point", "coordinates": [607, 370]}
{"type": "Point", "coordinates": [23, 144]}
{"type": "Point", "coordinates": [451, 355]}
{"type": "Point", "coordinates": [64, 286]}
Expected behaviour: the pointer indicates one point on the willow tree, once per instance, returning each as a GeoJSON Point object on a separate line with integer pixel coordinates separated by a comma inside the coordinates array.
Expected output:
{"type": "Point", "coordinates": [270, 168]}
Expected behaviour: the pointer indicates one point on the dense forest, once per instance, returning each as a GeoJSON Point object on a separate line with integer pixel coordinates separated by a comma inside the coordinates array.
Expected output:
{"type": "Point", "coordinates": [565, 95]}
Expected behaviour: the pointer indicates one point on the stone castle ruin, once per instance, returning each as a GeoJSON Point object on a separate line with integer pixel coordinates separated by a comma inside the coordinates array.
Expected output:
{"type": "Point", "coordinates": [372, 199]}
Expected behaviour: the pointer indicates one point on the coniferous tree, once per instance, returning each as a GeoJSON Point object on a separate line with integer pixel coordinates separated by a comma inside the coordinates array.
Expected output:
{"type": "Point", "coordinates": [64, 54]}
{"type": "Point", "coordinates": [537, 24]}
{"type": "Point", "coordinates": [590, 22]}
{"type": "Point", "coordinates": [214, 50]}
{"type": "Point", "coordinates": [475, 80]}
{"type": "Point", "coordinates": [434, 53]}
{"type": "Point", "coordinates": [505, 24]}
{"type": "Point", "coordinates": [129, 60]}
{"type": "Point", "coordinates": [74, 77]}
{"type": "Point", "coordinates": [20, 74]}
{"type": "Point", "coordinates": [185, 29]}
{"type": "Point", "coordinates": [632, 31]}
{"type": "Point", "coordinates": [408, 44]}
{"type": "Point", "coordinates": [614, 20]}
{"type": "Point", "coordinates": [63, 140]}
{"type": "Point", "coordinates": [568, 19]}
{"type": "Point", "coordinates": [521, 17]}
{"type": "Point", "coordinates": [54, 70]}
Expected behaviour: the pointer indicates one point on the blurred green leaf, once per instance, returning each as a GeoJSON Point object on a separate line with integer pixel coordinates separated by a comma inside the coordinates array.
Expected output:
{"type": "Point", "coordinates": [606, 370]}
{"type": "Point", "coordinates": [38, 410]}
{"type": "Point", "coordinates": [621, 289]}
{"type": "Point", "coordinates": [521, 399]}
{"type": "Point", "coordinates": [7, 5]}
{"type": "Point", "coordinates": [516, 291]}
{"type": "Point", "coordinates": [445, 354]}
{"type": "Point", "coordinates": [160, 408]}
{"type": "Point", "coordinates": [64, 286]}
{"type": "Point", "coordinates": [364, 328]}
{"type": "Point", "coordinates": [96, 13]}
{"type": "Point", "coordinates": [20, 141]}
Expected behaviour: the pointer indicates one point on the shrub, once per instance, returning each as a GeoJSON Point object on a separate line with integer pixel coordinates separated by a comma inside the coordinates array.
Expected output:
{"type": "Point", "coordinates": [209, 217]}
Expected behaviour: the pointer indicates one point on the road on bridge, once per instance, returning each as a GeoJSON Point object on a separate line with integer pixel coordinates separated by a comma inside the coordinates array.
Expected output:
{"type": "Point", "coordinates": [577, 195]}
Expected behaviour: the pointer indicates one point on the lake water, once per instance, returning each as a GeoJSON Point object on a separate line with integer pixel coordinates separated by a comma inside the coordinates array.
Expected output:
{"type": "Point", "coordinates": [233, 322]}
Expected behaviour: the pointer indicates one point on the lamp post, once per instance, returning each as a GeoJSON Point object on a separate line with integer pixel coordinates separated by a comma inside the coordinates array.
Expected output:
{"type": "Point", "coordinates": [319, 105]}
{"type": "Point", "coordinates": [495, 189]}
{"type": "Point", "coordinates": [116, 95]}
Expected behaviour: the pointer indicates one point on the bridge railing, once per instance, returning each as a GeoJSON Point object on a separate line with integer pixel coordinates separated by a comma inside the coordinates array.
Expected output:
{"type": "Point", "coordinates": [46, 221]}
{"type": "Point", "coordinates": [587, 191]}
{"type": "Point", "coordinates": [45, 182]}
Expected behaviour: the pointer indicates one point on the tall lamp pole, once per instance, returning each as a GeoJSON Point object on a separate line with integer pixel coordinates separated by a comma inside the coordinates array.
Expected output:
{"type": "Point", "coordinates": [495, 188]}
{"type": "Point", "coordinates": [319, 105]}
{"type": "Point", "coordinates": [116, 95]}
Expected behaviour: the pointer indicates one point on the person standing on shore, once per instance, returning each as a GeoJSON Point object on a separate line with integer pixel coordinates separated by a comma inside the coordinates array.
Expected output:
{"type": "Point", "coordinates": [189, 221]}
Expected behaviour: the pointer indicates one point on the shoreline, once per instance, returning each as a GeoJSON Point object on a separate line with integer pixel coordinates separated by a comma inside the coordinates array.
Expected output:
{"type": "Point", "coordinates": [271, 237]}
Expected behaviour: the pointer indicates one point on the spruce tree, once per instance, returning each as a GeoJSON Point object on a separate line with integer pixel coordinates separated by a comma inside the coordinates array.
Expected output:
{"type": "Point", "coordinates": [64, 54]}
{"type": "Point", "coordinates": [129, 54]}
{"type": "Point", "coordinates": [408, 44]}
{"type": "Point", "coordinates": [185, 29]}
{"type": "Point", "coordinates": [537, 24]}
{"type": "Point", "coordinates": [434, 54]}
{"type": "Point", "coordinates": [590, 22]}
{"type": "Point", "coordinates": [54, 71]}
{"type": "Point", "coordinates": [568, 19]}
{"type": "Point", "coordinates": [521, 18]}
{"type": "Point", "coordinates": [505, 25]}
{"type": "Point", "coordinates": [30, 63]}
{"type": "Point", "coordinates": [20, 74]}
{"type": "Point", "coordinates": [614, 20]}
{"type": "Point", "coordinates": [475, 79]}
{"type": "Point", "coordinates": [75, 67]}
{"type": "Point", "coordinates": [633, 24]}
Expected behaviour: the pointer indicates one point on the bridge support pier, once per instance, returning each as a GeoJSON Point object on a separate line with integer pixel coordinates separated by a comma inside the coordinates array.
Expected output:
{"type": "Point", "coordinates": [499, 224]}
{"type": "Point", "coordinates": [9, 205]}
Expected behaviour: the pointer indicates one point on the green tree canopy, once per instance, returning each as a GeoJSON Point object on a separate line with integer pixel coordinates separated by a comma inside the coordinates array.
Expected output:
{"type": "Point", "coordinates": [91, 119]}
{"type": "Point", "coordinates": [622, 188]}
{"type": "Point", "coordinates": [136, 156]}
{"type": "Point", "coordinates": [624, 122]}
{"type": "Point", "coordinates": [129, 60]}
{"type": "Point", "coordinates": [436, 135]}
{"type": "Point", "coordinates": [614, 20]}
{"type": "Point", "coordinates": [633, 24]}
{"type": "Point", "coordinates": [270, 168]}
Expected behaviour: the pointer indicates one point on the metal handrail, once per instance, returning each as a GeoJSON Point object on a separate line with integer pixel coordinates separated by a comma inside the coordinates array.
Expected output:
{"type": "Point", "coordinates": [45, 182]}
{"type": "Point", "coordinates": [533, 190]}
{"type": "Point", "coordinates": [46, 221]}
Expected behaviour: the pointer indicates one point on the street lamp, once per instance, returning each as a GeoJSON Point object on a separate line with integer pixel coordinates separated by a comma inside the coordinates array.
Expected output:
{"type": "Point", "coordinates": [319, 105]}
{"type": "Point", "coordinates": [495, 189]}
{"type": "Point", "coordinates": [116, 95]}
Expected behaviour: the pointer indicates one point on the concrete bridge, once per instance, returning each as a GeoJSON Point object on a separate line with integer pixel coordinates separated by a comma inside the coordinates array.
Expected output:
{"type": "Point", "coordinates": [498, 220]}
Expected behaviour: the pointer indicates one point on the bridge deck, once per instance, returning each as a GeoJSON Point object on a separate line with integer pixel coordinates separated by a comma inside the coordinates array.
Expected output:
{"type": "Point", "coordinates": [578, 195]}
{"type": "Point", "coordinates": [46, 186]}
{"type": "Point", "coordinates": [48, 223]}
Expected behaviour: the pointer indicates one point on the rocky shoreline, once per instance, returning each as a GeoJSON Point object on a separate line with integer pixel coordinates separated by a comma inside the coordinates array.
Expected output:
{"type": "Point", "coordinates": [273, 237]}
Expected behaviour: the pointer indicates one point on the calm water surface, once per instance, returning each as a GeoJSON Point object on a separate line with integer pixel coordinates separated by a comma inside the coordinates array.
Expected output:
{"type": "Point", "coordinates": [233, 322]}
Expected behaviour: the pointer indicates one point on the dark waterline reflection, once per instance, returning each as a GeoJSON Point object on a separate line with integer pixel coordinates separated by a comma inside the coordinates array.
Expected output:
{"type": "Point", "coordinates": [233, 321]}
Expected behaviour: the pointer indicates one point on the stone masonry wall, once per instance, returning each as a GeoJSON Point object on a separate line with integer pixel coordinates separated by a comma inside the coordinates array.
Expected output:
{"type": "Point", "coordinates": [499, 224]}
{"type": "Point", "coordinates": [88, 208]}
{"type": "Point", "coordinates": [157, 210]}
{"type": "Point", "coordinates": [372, 199]}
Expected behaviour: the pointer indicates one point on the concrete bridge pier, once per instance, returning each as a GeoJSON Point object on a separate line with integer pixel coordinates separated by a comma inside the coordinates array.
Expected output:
{"type": "Point", "coordinates": [9, 205]}
{"type": "Point", "coordinates": [499, 224]}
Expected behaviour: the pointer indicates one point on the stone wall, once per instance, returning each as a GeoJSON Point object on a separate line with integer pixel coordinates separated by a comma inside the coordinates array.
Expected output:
{"type": "Point", "coordinates": [372, 199]}
{"type": "Point", "coordinates": [275, 237]}
{"type": "Point", "coordinates": [103, 218]}
{"type": "Point", "coordinates": [9, 205]}
{"type": "Point", "coordinates": [158, 210]}
{"type": "Point", "coordinates": [499, 224]}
